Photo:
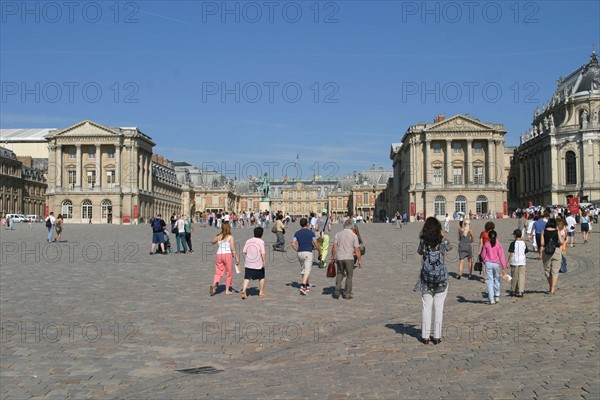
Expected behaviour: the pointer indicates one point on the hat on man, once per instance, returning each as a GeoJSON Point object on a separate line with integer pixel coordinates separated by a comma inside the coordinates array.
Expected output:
{"type": "Point", "coordinates": [518, 233]}
{"type": "Point", "coordinates": [226, 218]}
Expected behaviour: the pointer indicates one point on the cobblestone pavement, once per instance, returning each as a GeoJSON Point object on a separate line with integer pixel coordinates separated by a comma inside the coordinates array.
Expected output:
{"type": "Point", "coordinates": [97, 317]}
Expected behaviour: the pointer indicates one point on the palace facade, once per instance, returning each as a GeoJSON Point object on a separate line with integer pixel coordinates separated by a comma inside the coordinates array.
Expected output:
{"type": "Point", "coordinates": [22, 185]}
{"type": "Point", "coordinates": [559, 156]}
{"type": "Point", "coordinates": [105, 174]}
{"type": "Point", "coordinates": [452, 165]}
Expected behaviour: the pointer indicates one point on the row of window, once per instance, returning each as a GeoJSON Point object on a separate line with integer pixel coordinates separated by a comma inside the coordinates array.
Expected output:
{"type": "Point", "coordinates": [478, 178]}
{"type": "Point", "coordinates": [91, 152]}
{"type": "Point", "coordinates": [12, 170]}
{"type": "Point", "coordinates": [86, 209]}
{"type": "Point", "coordinates": [460, 205]}
{"type": "Point", "coordinates": [91, 178]}
{"type": "Point", "coordinates": [457, 147]}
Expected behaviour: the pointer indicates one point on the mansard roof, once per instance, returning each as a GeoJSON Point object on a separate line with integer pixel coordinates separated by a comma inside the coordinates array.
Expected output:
{"type": "Point", "coordinates": [583, 80]}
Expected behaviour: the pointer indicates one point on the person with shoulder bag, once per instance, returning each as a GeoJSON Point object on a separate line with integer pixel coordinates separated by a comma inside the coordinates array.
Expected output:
{"type": "Point", "coordinates": [551, 241]}
{"type": "Point", "coordinates": [279, 231]}
{"type": "Point", "coordinates": [433, 279]}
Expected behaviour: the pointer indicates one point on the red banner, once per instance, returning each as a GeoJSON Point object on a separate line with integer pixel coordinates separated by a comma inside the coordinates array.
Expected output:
{"type": "Point", "coordinates": [505, 208]}
{"type": "Point", "coordinates": [574, 205]}
{"type": "Point", "coordinates": [412, 209]}
{"type": "Point", "coordinates": [135, 211]}
{"type": "Point", "coordinates": [47, 211]}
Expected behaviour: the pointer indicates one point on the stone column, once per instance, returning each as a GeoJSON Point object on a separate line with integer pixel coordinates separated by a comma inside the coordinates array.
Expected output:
{"type": "Point", "coordinates": [78, 167]}
{"type": "Point", "coordinates": [499, 162]}
{"type": "Point", "coordinates": [136, 163]}
{"type": "Point", "coordinates": [118, 151]}
{"type": "Point", "coordinates": [581, 164]}
{"type": "Point", "coordinates": [59, 167]}
{"type": "Point", "coordinates": [469, 169]}
{"type": "Point", "coordinates": [98, 184]}
{"type": "Point", "coordinates": [412, 166]}
{"type": "Point", "coordinates": [448, 160]}
{"type": "Point", "coordinates": [51, 173]}
{"type": "Point", "coordinates": [427, 161]}
{"type": "Point", "coordinates": [491, 161]}
{"type": "Point", "coordinates": [521, 186]}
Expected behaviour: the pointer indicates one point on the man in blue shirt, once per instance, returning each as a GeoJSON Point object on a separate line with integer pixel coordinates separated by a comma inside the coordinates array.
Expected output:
{"type": "Point", "coordinates": [539, 227]}
{"type": "Point", "coordinates": [304, 242]}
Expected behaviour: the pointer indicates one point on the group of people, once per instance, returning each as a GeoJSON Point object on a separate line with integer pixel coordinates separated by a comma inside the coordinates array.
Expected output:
{"type": "Point", "coordinates": [250, 219]}
{"type": "Point", "coordinates": [54, 225]}
{"type": "Point", "coordinates": [312, 236]}
{"type": "Point", "coordinates": [549, 236]}
{"type": "Point", "coordinates": [181, 226]}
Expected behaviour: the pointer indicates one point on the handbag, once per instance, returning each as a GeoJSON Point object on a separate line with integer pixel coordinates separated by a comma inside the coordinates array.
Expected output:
{"type": "Point", "coordinates": [363, 249]}
{"type": "Point", "coordinates": [478, 267]}
{"type": "Point", "coordinates": [331, 267]}
{"type": "Point", "coordinates": [274, 228]}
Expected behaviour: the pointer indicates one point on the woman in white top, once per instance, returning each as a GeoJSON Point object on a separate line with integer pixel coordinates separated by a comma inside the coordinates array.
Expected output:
{"type": "Point", "coordinates": [180, 224]}
{"type": "Point", "coordinates": [225, 254]}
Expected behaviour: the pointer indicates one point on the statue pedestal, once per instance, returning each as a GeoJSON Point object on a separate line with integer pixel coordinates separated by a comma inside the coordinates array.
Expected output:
{"type": "Point", "coordinates": [264, 204]}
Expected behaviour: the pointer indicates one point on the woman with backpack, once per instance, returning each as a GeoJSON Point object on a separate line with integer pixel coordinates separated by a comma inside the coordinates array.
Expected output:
{"type": "Point", "coordinates": [433, 279]}
{"type": "Point", "coordinates": [551, 241]}
{"type": "Point", "coordinates": [493, 257]}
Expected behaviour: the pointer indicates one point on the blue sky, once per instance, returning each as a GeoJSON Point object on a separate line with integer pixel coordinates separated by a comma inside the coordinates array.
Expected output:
{"type": "Point", "coordinates": [321, 83]}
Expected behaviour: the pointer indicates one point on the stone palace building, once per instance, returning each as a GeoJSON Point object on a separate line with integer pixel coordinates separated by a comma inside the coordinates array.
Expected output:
{"type": "Point", "coordinates": [452, 165]}
{"type": "Point", "coordinates": [559, 156]}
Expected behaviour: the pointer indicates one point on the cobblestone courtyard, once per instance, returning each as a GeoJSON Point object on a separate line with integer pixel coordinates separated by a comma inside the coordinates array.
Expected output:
{"type": "Point", "coordinates": [97, 317]}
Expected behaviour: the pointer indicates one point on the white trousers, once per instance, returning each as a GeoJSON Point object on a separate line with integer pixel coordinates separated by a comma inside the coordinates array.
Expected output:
{"type": "Point", "coordinates": [431, 302]}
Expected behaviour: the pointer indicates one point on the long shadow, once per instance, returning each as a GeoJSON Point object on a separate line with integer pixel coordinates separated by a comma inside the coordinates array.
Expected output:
{"type": "Point", "coordinates": [328, 291]}
{"type": "Point", "coordinates": [462, 299]}
{"type": "Point", "coordinates": [294, 284]}
{"type": "Point", "coordinates": [405, 329]}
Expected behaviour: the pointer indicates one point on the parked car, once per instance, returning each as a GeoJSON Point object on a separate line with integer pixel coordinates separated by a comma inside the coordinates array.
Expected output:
{"type": "Point", "coordinates": [33, 218]}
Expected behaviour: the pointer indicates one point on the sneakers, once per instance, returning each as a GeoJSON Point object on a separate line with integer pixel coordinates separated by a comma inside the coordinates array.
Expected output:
{"type": "Point", "coordinates": [497, 299]}
{"type": "Point", "coordinates": [304, 291]}
{"type": "Point", "coordinates": [336, 295]}
{"type": "Point", "coordinates": [492, 302]}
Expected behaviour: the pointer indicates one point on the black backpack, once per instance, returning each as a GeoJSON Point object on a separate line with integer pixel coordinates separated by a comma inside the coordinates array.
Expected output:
{"type": "Point", "coordinates": [434, 271]}
{"type": "Point", "coordinates": [550, 247]}
{"type": "Point", "coordinates": [48, 223]}
{"type": "Point", "coordinates": [156, 225]}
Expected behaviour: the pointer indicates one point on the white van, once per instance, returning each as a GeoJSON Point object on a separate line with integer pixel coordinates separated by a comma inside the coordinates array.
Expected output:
{"type": "Point", "coordinates": [32, 218]}
{"type": "Point", "coordinates": [16, 217]}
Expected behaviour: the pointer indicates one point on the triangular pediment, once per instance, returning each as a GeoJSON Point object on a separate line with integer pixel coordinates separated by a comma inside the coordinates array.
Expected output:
{"type": "Point", "coordinates": [86, 129]}
{"type": "Point", "coordinates": [460, 123]}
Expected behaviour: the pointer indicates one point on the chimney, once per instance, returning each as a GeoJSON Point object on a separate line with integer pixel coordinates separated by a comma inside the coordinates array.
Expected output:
{"type": "Point", "coordinates": [439, 118]}
{"type": "Point", "coordinates": [26, 160]}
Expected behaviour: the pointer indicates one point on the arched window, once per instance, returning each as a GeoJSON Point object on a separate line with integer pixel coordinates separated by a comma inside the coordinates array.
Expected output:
{"type": "Point", "coordinates": [481, 205]}
{"type": "Point", "coordinates": [439, 205]}
{"type": "Point", "coordinates": [571, 168]}
{"type": "Point", "coordinates": [105, 208]}
{"type": "Point", "coordinates": [67, 209]}
{"type": "Point", "coordinates": [460, 204]}
{"type": "Point", "coordinates": [86, 209]}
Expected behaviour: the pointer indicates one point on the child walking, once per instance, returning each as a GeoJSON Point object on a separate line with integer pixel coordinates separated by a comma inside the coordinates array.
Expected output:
{"type": "Point", "coordinates": [254, 262]}
{"type": "Point", "coordinates": [518, 262]}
